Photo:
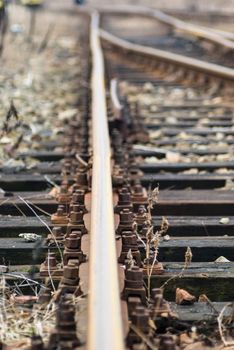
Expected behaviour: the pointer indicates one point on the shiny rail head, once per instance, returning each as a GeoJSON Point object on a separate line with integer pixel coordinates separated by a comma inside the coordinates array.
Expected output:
{"type": "Point", "coordinates": [105, 329]}
{"type": "Point", "coordinates": [211, 69]}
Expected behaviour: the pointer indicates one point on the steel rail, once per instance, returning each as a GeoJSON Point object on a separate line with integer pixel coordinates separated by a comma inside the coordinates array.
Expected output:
{"type": "Point", "coordinates": [223, 33]}
{"type": "Point", "coordinates": [193, 29]}
{"type": "Point", "coordinates": [128, 9]}
{"type": "Point", "coordinates": [169, 57]}
{"type": "Point", "coordinates": [105, 330]}
{"type": "Point", "coordinates": [198, 31]}
{"type": "Point", "coordinates": [116, 104]}
{"type": "Point", "coordinates": [114, 94]}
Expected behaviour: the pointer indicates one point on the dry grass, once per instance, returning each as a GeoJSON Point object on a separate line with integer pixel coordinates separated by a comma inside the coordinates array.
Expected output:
{"type": "Point", "coordinates": [153, 239]}
{"type": "Point", "coordinates": [19, 322]}
{"type": "Point", "coordinates": [187, 261]}
{"type": "Point", "coordinates": [223, 322]}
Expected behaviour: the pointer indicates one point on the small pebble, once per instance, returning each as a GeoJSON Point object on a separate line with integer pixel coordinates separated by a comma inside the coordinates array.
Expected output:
{"type": "Point", "coordinates": [3, 269]}
{"type": "Point", "coordinates": [29, 237]}
{"type": "Point", "coordinates": [222, 259]}
{"type": "Point", "coordinates": [166, 238]}
{"type": "Point", "coordinates": [224, 221]}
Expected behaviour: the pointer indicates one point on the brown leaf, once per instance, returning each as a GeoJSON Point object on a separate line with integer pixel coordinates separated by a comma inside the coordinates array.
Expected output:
{"type": "Point", "coordinates": [185, 339]}
{"type": "Point", "coordinates": [23, 299]}
{"type": "Point", "coordinates": [203, 298]}
{"type": "Point", "coordinates": [183, 297]}
{"type": "Point", "coordinates": [54, 192]}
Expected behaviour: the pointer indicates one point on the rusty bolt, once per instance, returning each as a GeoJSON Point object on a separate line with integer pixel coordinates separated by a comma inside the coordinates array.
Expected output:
{"type": "Point", "coordinates": [129, 241]}
{"type": "Point", "coordinates": [57, 232]}
{"type": "Point", "coordinates": [60, 217]}
{"type": "Point", "coordinates": [61, 210]}
{"type": "Point", "coordinates": [78, 197]}
{"type": "Point", "coordinates": [65, 331]}
{"type": "Point", "coordinates": [139, 194]}
{"type": "Point", "coordinates": [73, 248]}
{"type": "Point", "coordinates": [50, 264]}
{"type": "Point", "coordinates": [76, 222]}
{"type": "Point", "coordinates": [124, 196]}
{"type": "Point", "coordinates": [134, 277]}
{"type": "Point", "coordinates": [141, 216]}
{"type": "Point", "coordinates": [44, 296]}
{"type": "Point", "coordinates": [140, 318]}
{"type": "Point", "coordinates": [75, 208]}
{"type": "Point", "coordinates": [64, 196]}
{"type": "Point", "coordinates": [71, 271]}
{"type": "Point", "coordinates": [73, 241]}
{"type": "Point", "coordinates": [77, 217]}
{"type": "Point", "coordinates": [134, 284]}
{"type": "Point", "coordinates": [81, 180]}
{"type": "Point", "coordinates": [50, 261]}
{"type": "Point", "coordinates": [70, 281]}
{"type": "Point", "coordinates": [124, 201]}
{"type": "Point", "coordinates": [137, 189]}
{"type": "Point", "coordinates": [133, 302]}
{"type": "Point", "coordinates": [126, 216]}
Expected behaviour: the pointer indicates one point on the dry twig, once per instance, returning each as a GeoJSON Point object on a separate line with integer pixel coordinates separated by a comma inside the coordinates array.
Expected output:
{"type": "Point", "coordinates": [188, 259]}
{"type": "Point", "coordinates": [221, 325]}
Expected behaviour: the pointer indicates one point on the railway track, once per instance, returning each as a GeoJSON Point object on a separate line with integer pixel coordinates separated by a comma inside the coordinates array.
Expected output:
{"type": "Point", "coordinates": [157, 151]}
{"type": "Point", "coordinates": [168, 33]}
{"type": "Point", "coordinates": [195, 205]}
